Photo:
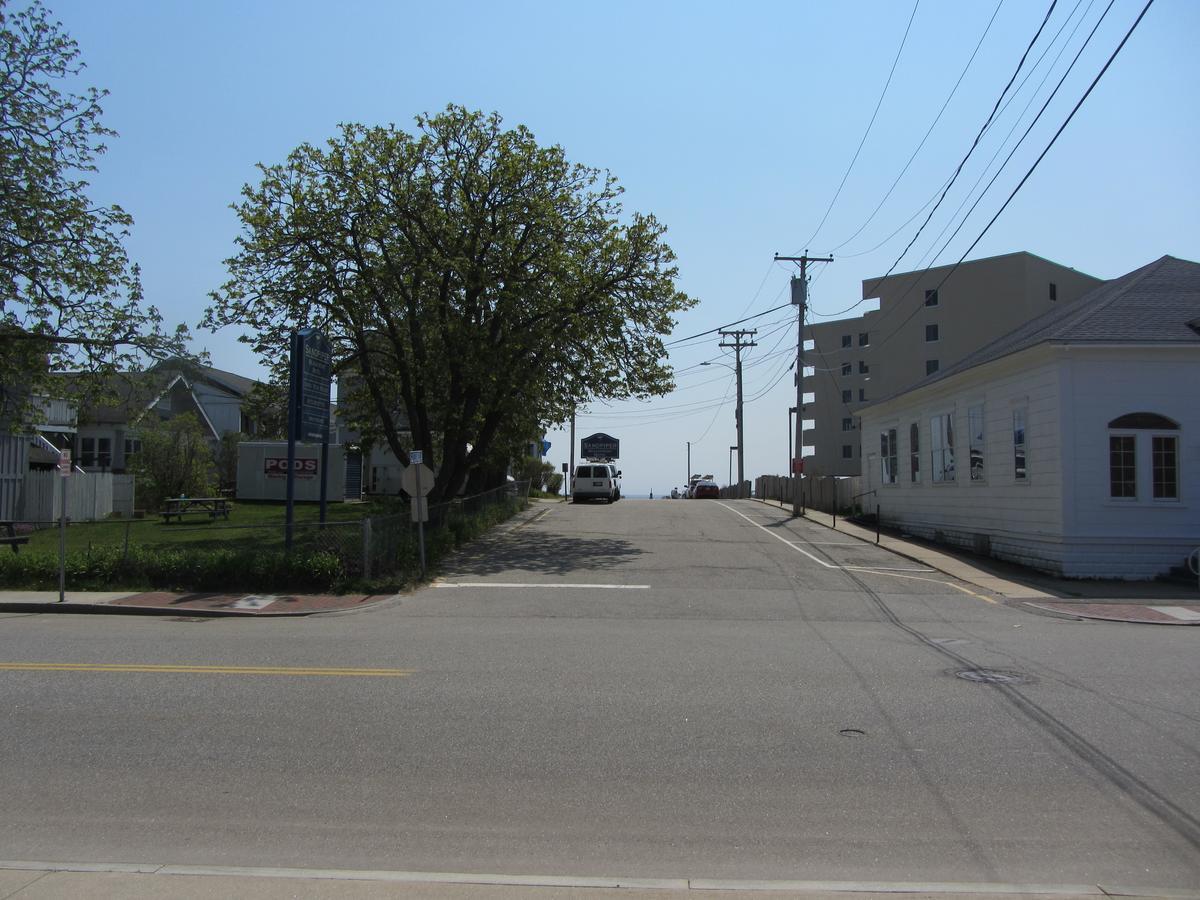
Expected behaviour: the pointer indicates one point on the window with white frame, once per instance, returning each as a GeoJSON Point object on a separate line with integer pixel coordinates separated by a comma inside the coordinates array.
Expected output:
{"type": "Point", "coordinates": [975, 442]}
{"type": "Point", "coordinates": [1122, 466]}
{"type": "Point", "coordinates": [1143, 436]}
{"type": "Point", "coordinates": [1164, 466]}
{"type": "Point", "coordinates": [914, 453]}
{"type": "Point", "coordinates": [887, 455]}
{"type": "Point", "coordinates": [941, 443]}
{"type": "Point", "coordinates": [1020, 472]}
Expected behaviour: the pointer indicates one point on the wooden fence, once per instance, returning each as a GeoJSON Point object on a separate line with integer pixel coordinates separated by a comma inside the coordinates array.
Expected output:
{"type": "Point", "coordinates": [89, 496]}
{"type": "Point", "coordinates": [823, 493]}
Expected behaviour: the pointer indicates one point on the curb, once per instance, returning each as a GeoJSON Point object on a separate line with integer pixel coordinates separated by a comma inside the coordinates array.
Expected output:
{"type": "Point", "coordinates": [190, 612]}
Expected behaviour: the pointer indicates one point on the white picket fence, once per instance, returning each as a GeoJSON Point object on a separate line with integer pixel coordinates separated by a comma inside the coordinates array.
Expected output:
{"type": "Point", "coordinates": [89, 496]}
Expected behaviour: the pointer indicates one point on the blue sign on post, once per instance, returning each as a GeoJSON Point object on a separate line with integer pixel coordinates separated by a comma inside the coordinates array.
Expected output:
{"type": "Point", "coordinates": [312, 371]}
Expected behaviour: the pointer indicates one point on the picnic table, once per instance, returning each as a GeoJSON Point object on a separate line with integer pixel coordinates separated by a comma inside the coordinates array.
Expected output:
{"type": "Point", "coordinates": [10, 536]}
{"type": "Point", "coordinates": [179, 507]}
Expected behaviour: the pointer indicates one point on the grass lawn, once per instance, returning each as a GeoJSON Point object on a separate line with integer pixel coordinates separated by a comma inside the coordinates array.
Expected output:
{"type": "Point", "coordinates": [260, 523]}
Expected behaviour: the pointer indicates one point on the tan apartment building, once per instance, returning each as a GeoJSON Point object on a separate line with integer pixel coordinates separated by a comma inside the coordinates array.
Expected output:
{"type": "Point", "coordinates": [922, 325]}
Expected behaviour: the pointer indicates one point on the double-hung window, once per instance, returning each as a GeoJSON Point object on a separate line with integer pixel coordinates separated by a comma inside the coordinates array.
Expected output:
{"type": "Point", "coordinates": [1020, 472]}
{"type": "Point", "coordinates": [914, 453]}
{"type": "Point", "coordinates": [1122, 466]}
{"type": "Point", "coordinates": [941, 442]}
{"type": "Point", "coordinates": [887, 455]}
{"type": "Point", "coordinates": [975, 442]}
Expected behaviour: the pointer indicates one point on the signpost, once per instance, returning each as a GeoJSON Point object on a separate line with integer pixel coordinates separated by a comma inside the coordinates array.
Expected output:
{"type": "Point", "coordinates": [417, 481]}
{"type": "Point", "coordinates": [308, 409]}
{"type": "Point", "coordinates": [64, 471]}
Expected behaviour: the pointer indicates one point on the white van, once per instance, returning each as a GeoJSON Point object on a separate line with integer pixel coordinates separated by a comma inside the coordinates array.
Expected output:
{"type": "Point", "coordinates": [596, 481]}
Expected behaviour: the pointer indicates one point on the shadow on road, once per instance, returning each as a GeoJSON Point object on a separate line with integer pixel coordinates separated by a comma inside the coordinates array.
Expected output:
{"type": "Point", "coordinates": [547, 554]}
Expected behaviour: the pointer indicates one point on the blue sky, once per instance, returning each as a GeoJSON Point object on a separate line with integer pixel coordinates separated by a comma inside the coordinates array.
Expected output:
{"type": "Point", "coordinates": [733, 127]}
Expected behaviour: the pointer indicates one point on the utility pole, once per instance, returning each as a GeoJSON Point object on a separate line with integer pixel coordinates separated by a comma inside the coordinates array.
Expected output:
{"type": "Point", "coordinates": [800, 301]}
{"type": "Point", "coordinates": [688, 480]}
{"type": "Point", "coordinates": [739, 344]}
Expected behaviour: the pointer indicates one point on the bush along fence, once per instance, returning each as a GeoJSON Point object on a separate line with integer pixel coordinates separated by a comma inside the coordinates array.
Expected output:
{"type": "Point", "coordinates": [375, 552]}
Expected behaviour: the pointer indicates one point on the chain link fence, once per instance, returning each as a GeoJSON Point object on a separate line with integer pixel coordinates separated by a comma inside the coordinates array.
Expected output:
{"type": "Point", "coordinates": [371, 547]}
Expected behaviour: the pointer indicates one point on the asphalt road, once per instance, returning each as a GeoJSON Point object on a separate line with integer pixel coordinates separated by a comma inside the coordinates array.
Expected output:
{"type": "Point", "coordinates": [660, 689]}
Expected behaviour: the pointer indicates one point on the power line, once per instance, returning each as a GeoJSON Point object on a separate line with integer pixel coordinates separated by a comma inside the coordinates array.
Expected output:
{"type": "Point", "coordinates": [974, 144]}
{"type": "Point", "coordinates": [1021, 140]}
{"type": "Point", "coordinates": [1028, 174]}
{"type": "Point", "coordinates": [1061, 128]}
{"type": "Point", "coordinates": [928, 132]}
{"type": "Point", "coordinates": [878, 104]}
{"type": "Point", "coordinates": [701, 334]}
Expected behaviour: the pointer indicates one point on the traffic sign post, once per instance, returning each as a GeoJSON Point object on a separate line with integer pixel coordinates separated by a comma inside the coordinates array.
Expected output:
{"type": "Point", "coordinates": [64, 470]}
{"type": "Point", "coordinates": [417, 481]}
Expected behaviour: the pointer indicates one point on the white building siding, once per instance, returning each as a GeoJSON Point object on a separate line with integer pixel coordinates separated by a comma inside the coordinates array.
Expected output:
{"type": "Point", "coordinates": [1061, 517]}
{"type": "Point", "coordinates": [1142, 536]}
{"type": "Point", "coordinates": [1020, 520]}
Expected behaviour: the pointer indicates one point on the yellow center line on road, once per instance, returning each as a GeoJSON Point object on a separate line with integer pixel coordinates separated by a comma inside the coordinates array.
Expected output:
{"type": "Point", "coordinates": [148, 668]}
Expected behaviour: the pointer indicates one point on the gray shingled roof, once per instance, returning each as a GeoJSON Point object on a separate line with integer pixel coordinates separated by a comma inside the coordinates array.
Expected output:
{"type": "Point", "coordinates": [1155, 304]}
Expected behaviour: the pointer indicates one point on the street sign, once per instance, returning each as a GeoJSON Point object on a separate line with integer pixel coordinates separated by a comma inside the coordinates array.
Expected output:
{"type": "Point", "coordinates": [64, 463]}
{"type": "Point", "coordinates": [312, 368]}
{"type": "Point", "coordinates": [416, 456]}
{"type": "Point", "coordinates": [417, 480]}
{"type": "Point", "coordinates": [600, 446]}
{"type": "Point", "coordinates": [797, 467]}
{"type": "Point", "coordinates": [566, 468]}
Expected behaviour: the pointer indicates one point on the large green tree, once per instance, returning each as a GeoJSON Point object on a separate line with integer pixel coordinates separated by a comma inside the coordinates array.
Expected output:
{"type": "Point", "coordinates": [474, 283]}
{"type": "Point", "coordinates": [69, 297]}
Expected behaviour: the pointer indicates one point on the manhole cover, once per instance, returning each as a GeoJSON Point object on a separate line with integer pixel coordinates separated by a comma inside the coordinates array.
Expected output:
{"type": "Point", "coordinates": [992, 676]}
{"type": "Point", "coordinates": [852, 732]}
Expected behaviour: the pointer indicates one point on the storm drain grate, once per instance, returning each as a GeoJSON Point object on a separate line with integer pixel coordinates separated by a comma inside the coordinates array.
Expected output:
{"type": "Point", "coordinates": [992, 676]}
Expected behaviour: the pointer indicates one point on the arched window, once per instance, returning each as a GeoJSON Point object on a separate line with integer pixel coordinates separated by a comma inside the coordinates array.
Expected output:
{"type": "Point", "coordinates": [1124, 446]}
{"type": "Point", "coordinates": [1144, 420]}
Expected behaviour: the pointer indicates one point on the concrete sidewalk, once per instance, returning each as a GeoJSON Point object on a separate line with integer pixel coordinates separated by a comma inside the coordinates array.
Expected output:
{"type": "Point", "coordinates": [128, 881]}
{"type": "Point", "coordinates": [1150, 602]}
{"type": "Point", "coordinates": [185, 604]}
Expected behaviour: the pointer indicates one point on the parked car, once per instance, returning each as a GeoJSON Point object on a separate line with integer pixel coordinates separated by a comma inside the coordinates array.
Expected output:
{"type": "Point", "coordinates": [706, 490]}
{"type": "Point", "coordinates": [598, 481]}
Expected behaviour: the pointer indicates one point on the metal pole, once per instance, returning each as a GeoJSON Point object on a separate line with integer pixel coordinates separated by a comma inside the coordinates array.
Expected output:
{"type": "Point", "coordinates": [62, 544]}
{"type": "Point", "coordinates": [420, 501]}
{"type": "Point", "coordinates": [324, 475]}
{"type": "Point", "coordinates": [877, 523]}
{"type": "Point", "coordinates": [293, 427]}
{"type": "Point", "coordinates": [688, 480]}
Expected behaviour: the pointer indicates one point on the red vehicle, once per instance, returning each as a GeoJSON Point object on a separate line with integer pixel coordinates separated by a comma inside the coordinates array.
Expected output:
{"type": "Point", "coordinates": [706, 489]}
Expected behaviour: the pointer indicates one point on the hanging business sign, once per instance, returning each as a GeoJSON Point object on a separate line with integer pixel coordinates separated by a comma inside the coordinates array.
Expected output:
{"type": "Point", "coordinates": [600, 446]}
